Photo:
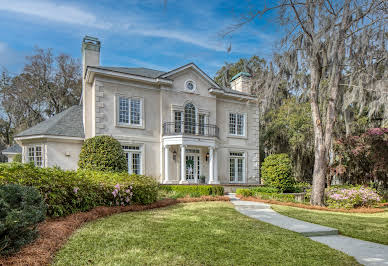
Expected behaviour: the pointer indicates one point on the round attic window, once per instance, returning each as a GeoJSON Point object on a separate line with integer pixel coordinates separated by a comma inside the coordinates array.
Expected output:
{"type": "Point", "coordinates": [190, 85]}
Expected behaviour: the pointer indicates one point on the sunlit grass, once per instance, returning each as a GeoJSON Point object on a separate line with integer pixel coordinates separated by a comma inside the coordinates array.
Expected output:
{"type": "Point", "coordinates": [209, 233]}
{"type": "Point", "coordinates": [365, 226]}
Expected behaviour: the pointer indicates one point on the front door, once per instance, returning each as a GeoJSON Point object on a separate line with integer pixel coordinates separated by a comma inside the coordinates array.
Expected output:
{"type": "Point", "coordinates": [193, 167]}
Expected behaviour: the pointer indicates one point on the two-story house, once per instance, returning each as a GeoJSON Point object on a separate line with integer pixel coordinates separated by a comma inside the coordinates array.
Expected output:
{"type": "Point", "coordinates": [177, 126]}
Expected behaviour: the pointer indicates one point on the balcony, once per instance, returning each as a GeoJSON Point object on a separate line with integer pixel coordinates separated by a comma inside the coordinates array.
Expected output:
{"type": "Point", "coordinates": [193, 129]}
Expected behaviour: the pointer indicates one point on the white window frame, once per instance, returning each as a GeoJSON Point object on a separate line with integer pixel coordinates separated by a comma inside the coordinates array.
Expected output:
{"type": "Point", "coordinates": [235, 158]}
{"type": "Point", "coordinates": [34, 160]}
{"type": "Point", "coordinates": [236, 135]}
{"type": "Point", "coordinates": [194, 85]}
{"type": "Point", "coordinates": [117, 113]}
{"type": "Point", "coordinates": [131, 149]}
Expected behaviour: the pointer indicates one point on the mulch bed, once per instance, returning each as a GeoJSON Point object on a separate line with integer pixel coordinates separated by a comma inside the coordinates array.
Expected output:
{"type": "Point", "coordinates": [54, 232]}
{"type": "Point", "coordinates": [310, 207]}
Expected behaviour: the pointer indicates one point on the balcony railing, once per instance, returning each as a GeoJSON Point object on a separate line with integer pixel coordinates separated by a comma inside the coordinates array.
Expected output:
{"type": "Point", "coordinates": [195, 129]}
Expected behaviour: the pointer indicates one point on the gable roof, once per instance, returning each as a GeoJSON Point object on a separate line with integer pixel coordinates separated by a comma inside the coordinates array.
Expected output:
{"type": "Point", "coordinates": [138, 71]}
{"type": "Point", "coordinates": [194, 66]}
{"type": "Point", "coordinates": [68, 123]}
{"type": "Point", "coordinates": [14, 149]}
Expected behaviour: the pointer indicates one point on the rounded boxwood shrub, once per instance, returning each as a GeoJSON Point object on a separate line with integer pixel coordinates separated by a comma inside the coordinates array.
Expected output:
{"type": "Point", "coordinates": [276, 171]}
{"type": "Point", "coordinates": [21, 209]}
{"type": "Point", "coordinates": [102, 153]}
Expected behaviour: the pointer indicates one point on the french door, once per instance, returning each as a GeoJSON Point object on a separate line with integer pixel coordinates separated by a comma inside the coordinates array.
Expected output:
{"type": "Point", "coordinates": [193, 167]}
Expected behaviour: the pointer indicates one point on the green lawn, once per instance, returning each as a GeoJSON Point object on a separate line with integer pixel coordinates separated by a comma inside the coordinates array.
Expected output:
{"type": "Point", "coordinates": [370, 227]}
{"type": "Point", "coordinates": [207, 233]}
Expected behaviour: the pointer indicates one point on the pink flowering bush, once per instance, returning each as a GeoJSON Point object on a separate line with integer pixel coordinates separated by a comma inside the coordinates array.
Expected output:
{"type": "Point", "coordinates": [352, 197]}
{"type": "Point", "coordinates": [122, 195]}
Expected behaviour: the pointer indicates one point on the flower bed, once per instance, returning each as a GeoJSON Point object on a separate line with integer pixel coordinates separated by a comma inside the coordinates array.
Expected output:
{"type": "Point", "coordinates": [67, 192]}
{"type": "Point", "coordinates": [53, 233]}
{"type": "Point", "coordinates": [353, 197]}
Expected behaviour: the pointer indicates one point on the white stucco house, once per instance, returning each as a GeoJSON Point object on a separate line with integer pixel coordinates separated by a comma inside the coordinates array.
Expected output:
{"type": "Point", "coordinates": [177, 126]}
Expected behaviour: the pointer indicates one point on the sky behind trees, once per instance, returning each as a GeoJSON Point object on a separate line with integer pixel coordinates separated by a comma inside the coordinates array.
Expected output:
{"type": "Point", "coordinates": [134, 33]}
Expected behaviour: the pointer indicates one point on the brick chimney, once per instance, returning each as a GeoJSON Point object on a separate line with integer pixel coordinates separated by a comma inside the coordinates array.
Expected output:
{"type": "Point", "coordinates": [241, 82]}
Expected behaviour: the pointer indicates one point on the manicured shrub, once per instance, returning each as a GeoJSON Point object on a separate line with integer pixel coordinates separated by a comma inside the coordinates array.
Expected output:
{"type": "Point", "coordinates": [194, 190]}
{"type": "Point", "coordinates": [264, 189]}
{"type": "Point", "coordinates": [17, 158]}
{"type": "Point", "coordinates": [275, 196]}
{"type": "Point", "coordinates": [102, 153]}
{"type": "Point", "coordinates": [244, 192]}
{"type": "Point", "coordinates": [67, 192]}
{"type": "Point", "coordinates": [354, 197]}
{"type": "Point", "coordinates": [276, 171]}
{"type": "Point", "coordinates": [21, 209]}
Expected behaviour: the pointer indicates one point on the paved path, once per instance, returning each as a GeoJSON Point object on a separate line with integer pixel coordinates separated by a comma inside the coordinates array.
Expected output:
{"type": "Point", "coordinates": [367, 253]}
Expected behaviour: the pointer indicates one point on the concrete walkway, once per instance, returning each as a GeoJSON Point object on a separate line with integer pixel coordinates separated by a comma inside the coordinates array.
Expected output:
{"type": "Point", "coordinates": [367, 253]}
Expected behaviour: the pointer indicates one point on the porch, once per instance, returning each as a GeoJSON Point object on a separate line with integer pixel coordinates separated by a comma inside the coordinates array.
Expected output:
{"type": "Point", "coordinates": [190, 164]}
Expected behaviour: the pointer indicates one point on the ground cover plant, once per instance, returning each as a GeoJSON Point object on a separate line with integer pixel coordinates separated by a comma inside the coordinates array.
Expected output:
{"type": "Point", "coordinates": [366, 226]}
{"type": "Point", "coordinates": [67, 192]}
{"type": "Point", "coordinates": [211, 233]}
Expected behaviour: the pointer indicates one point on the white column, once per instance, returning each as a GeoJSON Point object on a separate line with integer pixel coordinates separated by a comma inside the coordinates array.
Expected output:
{"type": "Point", "coordinates": [166, 166]}
{"type": "Point", "coordinates": [215, 178]}
{"type": "Point", "coordinates": [211, 165]}
{"type": "Point", "coordinates": [213, 170]}
{"type": "Point", "coordinates": [183, 165]}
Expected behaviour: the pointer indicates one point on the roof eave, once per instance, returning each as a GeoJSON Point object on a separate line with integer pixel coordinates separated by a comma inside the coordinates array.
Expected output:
{"type": "Point", "coordinates": [91, 71]}
{"type": "Point", "coordinates": [225, 93]}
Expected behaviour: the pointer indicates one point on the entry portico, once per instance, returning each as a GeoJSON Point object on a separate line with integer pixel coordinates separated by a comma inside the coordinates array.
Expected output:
{"type": "Point", "coordinates": [191, 164]}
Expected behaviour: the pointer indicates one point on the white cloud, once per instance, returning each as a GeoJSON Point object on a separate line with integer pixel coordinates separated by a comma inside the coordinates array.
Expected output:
{"type": "Point", "coordinates": [54, 12]}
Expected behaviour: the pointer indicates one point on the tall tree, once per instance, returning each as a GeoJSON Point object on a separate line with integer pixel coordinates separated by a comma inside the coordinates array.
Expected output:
{"type": "Point", "coordinates": [47, 85]}
{"type": "Point", "coordinates": [252, 65]}
{"type": "Point", "coordinates": [320, 41]}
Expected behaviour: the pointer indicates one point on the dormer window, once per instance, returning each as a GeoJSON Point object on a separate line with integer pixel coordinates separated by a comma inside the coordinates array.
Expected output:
{"type": "Point", "coordinates": [190, 85]}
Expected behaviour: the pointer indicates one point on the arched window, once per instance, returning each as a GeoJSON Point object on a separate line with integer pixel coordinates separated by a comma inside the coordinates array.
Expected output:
{"type": "Point", "coordinates": [190, 118]}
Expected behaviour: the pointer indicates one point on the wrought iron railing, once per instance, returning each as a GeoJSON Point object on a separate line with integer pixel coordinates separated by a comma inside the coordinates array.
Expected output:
{"type": "Point", "coordinates": [196, 129]}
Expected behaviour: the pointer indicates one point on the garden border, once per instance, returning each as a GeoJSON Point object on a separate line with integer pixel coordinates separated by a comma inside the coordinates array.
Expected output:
{"type": "Point", "coordinates": [54, 232]}
{"type": "Point", "coordinates": [317, 208]}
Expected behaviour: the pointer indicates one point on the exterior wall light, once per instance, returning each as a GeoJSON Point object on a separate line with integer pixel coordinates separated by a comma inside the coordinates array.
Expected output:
{"type": "Point", "coordinates": [207, 157]}
{"type": "Point", "coordinates": [174, 155]}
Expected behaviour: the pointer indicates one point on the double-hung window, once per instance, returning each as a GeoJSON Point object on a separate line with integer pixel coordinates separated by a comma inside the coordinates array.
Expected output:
{"type": "Point", "coordinates": [133, 155]}
{"type": "Point", "coordinates": [130, 111]}
{"type": "Point", "coordinates": [35, 155]}
{"type": "Point", "coordinates": [236, 124]}
{"type": "Point", "coordinates": [236, 167]}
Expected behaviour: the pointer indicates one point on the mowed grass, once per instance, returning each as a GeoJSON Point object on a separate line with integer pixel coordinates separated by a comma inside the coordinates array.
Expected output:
{"type": "Point", "coordinates": [207, 233]}
{"type": "Point", "coordinates": [370, 227]}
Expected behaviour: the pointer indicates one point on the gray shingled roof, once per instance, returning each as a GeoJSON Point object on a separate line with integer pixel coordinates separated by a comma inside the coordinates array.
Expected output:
{"type": "Point", "coordinates": [138, 71]}
{"type": "Point", "coordinates": [68, 123]}
{"type": "Point", "coordinates": [13, 149]}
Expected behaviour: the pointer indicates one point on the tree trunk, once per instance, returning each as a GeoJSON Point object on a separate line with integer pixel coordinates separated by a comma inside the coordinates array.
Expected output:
{"type": "Point", "coordinates": [320, 158]}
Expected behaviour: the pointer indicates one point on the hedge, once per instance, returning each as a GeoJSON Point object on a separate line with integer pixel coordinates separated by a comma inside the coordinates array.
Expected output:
{"type": "Point", "coordinates": [265, 193]}
{"type": "Point", "coordinates": [67, 192]}
{"type": "Point", "coordinates": [21, 209]}
{"type": "Point", "coordinates": [194, 190]}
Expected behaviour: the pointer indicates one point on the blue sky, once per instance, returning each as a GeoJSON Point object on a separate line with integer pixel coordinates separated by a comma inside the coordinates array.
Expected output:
{"type": "Point", "coordinates": [135, 33]}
